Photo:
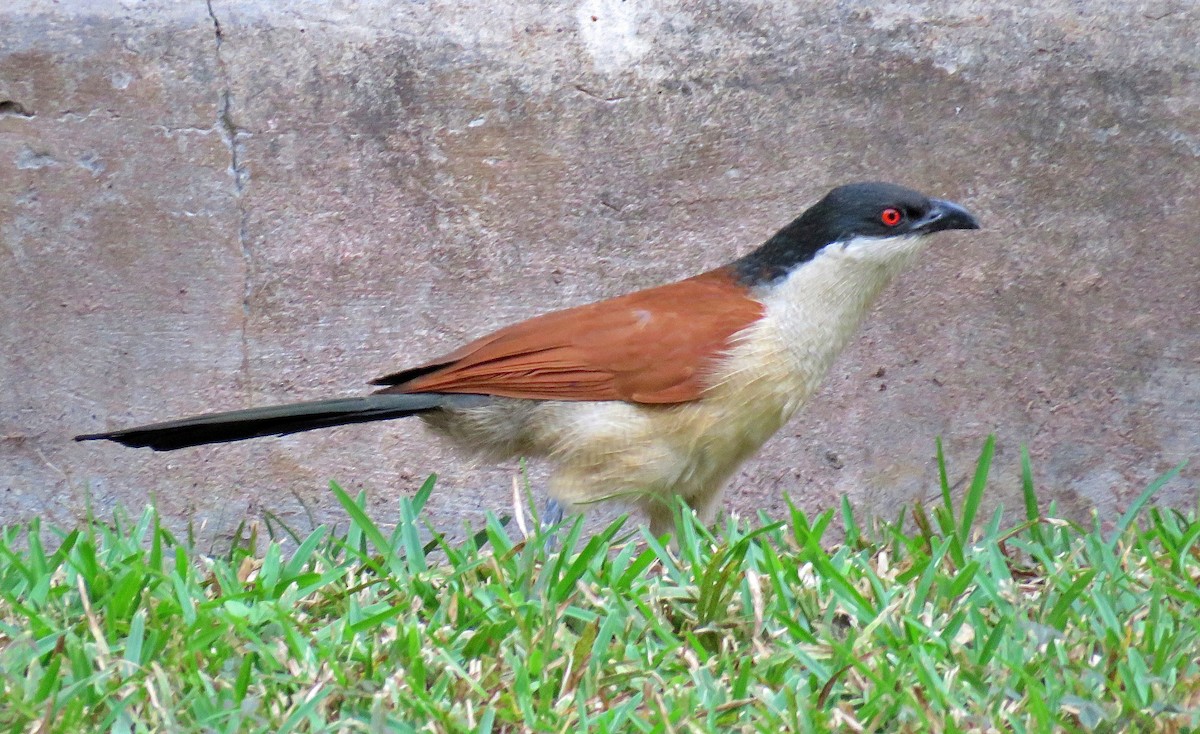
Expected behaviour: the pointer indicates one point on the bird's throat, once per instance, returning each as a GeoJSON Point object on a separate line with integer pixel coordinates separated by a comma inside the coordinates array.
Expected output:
{"type": "Point", "coordinates": [811, 314]}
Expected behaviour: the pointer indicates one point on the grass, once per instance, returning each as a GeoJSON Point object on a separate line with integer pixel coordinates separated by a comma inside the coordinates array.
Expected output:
{"type": "Point", "coordinates": [940, 623]}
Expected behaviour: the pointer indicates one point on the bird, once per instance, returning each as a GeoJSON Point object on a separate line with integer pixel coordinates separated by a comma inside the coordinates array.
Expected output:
{"type": "Point", "coordinates": [648, 396]}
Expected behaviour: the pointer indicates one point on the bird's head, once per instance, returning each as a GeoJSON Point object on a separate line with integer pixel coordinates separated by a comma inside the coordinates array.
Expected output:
{"type": "Point", "coordinates": [871, 223]}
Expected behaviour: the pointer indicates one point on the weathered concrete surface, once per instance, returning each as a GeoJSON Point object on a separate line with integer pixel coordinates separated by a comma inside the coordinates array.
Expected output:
{"type": "Point", "coordinates": [208, 207]}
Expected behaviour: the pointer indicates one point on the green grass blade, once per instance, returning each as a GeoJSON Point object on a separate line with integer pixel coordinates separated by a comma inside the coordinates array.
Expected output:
{"type": "Point", "coordinates": [422, 495]}
{"type": "Point", "coordinates": [975, 492]}
{"type": "Point", "coordinates": [1131, 513]}
{"type": "Point", "coordinates": [943, 477]}
{"type": "Point", "coordinates": [360, 520]}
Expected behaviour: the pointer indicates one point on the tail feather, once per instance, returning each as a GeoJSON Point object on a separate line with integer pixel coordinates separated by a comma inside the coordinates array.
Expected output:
{"type": "Point", "coordinates": [276, 420]}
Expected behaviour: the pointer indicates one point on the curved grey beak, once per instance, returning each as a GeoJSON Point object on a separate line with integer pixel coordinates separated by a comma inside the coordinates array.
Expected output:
{"type": "Point", "coordinates": [946, 215]}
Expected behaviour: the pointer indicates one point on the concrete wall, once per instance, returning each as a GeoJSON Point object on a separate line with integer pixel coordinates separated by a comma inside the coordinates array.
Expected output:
{"type": "Point", "coordinates": [216, 206]}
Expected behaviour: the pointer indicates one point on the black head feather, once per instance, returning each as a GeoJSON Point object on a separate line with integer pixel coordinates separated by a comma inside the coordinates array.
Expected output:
{"type": "Point", "coordinates": [871, 209]}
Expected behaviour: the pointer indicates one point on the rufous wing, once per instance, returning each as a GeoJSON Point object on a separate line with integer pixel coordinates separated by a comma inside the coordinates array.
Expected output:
{"type": "Point", "coordinates": [653, 346]}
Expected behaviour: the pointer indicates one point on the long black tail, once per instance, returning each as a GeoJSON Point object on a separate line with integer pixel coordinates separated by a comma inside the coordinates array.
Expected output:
{"type": "Point", "coordinates": [277, 420]}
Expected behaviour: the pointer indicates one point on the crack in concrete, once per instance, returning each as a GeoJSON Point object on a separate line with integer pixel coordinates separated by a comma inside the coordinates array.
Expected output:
{"type": "Point", "coordinates": [13, 108]}
{"type": "Point", "coordinates": [232, 136]}
{"type": "Point", "coordinates": [169, 131]}
{"type": "Point", "coordinates": [73, 116]}
{"type": "Point", "coordinates": [611, 99]}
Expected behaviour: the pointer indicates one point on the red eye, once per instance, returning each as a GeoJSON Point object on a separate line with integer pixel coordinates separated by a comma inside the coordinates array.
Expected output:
{"type": "Point", "coordinates": [891, 217]}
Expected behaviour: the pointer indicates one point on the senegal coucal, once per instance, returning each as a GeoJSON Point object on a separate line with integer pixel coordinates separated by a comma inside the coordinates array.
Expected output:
{"type": "Point", "coordinates": [661, 392]}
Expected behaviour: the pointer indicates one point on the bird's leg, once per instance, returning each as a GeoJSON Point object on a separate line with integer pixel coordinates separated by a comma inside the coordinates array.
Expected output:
{"type": "Point", "coordinates": [707, 502]}
{"type": "Point", "coordinates": [552, 515]}
{"type": "Point", "coordinates": [661, 516]}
